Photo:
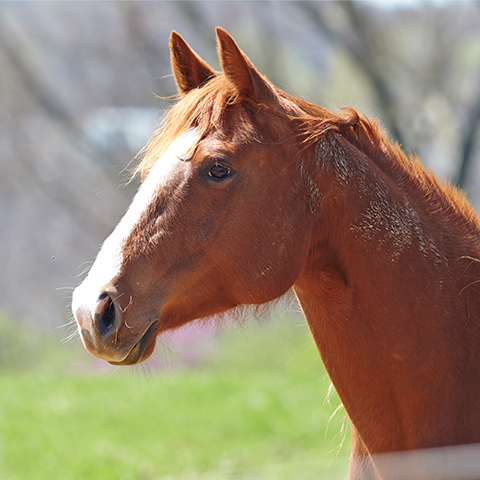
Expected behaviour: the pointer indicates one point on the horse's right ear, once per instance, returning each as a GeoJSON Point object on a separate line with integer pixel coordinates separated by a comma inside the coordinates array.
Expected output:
{"type": "Point", "coordinates": [189, 70]}
{"type": "Point", "coordinates": [241, 72]}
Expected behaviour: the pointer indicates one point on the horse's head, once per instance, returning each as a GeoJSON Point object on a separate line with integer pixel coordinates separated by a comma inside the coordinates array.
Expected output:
{"type": "Point", "coordinates": [221, 219]}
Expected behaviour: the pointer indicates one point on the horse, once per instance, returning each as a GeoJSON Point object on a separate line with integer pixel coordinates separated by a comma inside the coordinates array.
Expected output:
{"type": "Point", "coordinates": [249, 192]}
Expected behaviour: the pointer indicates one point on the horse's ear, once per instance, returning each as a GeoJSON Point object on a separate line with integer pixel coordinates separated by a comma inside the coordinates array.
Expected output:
{"type": "Point", "coordinates": [240, 71]}
{"type": "Point", "coordinates": [189, 70]}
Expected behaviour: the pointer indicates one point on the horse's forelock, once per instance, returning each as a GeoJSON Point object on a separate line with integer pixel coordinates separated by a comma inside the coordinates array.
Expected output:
{"type": "Point", "coordinates": [201, 108]}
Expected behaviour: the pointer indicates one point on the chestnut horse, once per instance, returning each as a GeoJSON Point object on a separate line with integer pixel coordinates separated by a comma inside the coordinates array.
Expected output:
{"type": "Point", "coordinates": [247, 192]}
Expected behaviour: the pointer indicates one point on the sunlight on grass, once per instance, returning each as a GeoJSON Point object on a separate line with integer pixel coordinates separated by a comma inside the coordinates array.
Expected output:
{"type": "Point", "coordinates": [254, 407]}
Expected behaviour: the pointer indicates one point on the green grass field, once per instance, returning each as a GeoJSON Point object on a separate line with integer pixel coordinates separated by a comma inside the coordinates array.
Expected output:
{"type": "Point", "coordinates": [254, 408]}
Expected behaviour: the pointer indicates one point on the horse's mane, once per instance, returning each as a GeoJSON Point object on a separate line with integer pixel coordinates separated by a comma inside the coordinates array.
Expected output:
{"type": "Point", "coordinates": [203, 108]}
{"type": "Point", "coordinates": [368, 137]}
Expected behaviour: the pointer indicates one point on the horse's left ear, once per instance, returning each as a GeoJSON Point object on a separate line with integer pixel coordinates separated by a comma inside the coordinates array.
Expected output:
{"type": "Point", "coordinates": [189, 70]}
{"type": "Point", "coordinates": [240, 71]}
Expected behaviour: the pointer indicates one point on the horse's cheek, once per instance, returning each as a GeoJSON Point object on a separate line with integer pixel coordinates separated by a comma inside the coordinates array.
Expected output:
{"type": "Point", "coordinates": [283, 257]}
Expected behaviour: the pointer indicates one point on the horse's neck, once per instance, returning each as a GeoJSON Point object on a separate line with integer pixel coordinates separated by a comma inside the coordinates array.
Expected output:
{"type": "Point", "coordinates": [382, 293]}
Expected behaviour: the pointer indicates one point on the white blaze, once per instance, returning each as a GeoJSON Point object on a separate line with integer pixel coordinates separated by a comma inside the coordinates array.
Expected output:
{"type": "Point", "coordinates": [109, 260]}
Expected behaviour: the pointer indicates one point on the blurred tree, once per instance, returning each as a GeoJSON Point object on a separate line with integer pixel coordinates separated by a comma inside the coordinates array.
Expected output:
{"type": "Point", "coordinates": [406, 72]}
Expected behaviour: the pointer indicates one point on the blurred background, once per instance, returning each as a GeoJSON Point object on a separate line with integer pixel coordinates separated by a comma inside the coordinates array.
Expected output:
{"type": "Point", "coordinates": [83, 84]}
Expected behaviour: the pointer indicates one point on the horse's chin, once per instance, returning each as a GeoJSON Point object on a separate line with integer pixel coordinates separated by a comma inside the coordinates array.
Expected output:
{"type": "Point", "coordinates": [142, 349]}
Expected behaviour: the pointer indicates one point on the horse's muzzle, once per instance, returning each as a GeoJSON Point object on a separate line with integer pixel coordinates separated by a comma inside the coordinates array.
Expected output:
{"type": "Point", "coordinates": [107, 335]}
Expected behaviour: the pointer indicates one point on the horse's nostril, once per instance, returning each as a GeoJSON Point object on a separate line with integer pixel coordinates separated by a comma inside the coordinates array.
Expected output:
{"type": "Point", "coordinates": [104, 315]}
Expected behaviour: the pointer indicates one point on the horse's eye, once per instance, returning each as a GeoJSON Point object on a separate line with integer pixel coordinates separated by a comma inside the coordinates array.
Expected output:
{"type": "Point", "coordinates": [219, 172]}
